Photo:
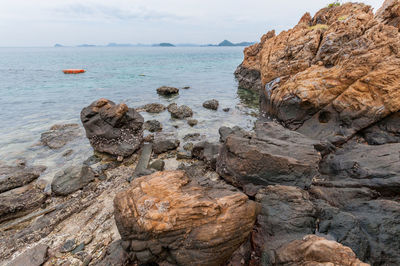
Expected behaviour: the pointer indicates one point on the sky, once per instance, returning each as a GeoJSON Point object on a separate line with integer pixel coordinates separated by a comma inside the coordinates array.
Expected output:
{"type": "Point", "coordinates": [72, 22]}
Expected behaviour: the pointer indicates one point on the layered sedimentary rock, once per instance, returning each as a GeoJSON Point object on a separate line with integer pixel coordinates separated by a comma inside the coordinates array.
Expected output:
{"type": "Point", "coordinates": [111, 128]}
{"type": "Point", "coordinates": [168, 216]}
{"type": "Point", "coordinates": [273, 155]}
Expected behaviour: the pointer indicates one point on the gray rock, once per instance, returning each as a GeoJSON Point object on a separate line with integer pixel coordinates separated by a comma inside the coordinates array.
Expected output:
{"type": "Point", "coordinates": [68, 246]}
{"type": "Point", "coordinates": [287, 213]}
{"type": "Point", "coordinates": [59, 135]}
{"type": "Point", "coordinates": [111, 128]}
{"type": "Point", "coordinates": [34, 256]}
{"type": "Point", "coordinates": [211, 104]}
{"type": "Point", "coordinates": [152, 126]}
{"type": "Point", "coordinates": [167, 91]}
{"type": "Point", "coordinates": [158, 165]}
{"type": "Point", "coordinates": [17, 176]}
{"type": "Point", "coordinates": [385, 131]}
{"type": "Point", "coordinates": [162, 144]}
{"type": "Point", "coordinates": [226, 109]}
{"type": "Point", "coordinates": [153, 108]}
{"type": "Point", "coordinates": [249, 79]}
{"type": "Point", "coordinates": [71, 179]}
{"type": "Point", "coordinates": [207, 152]}
{"type": "Point", "coordinates": [141, 167]}
{"type": "Point", "coordinates": [180, 112]}
{"type": "Point", "coordinates": [192, 122]}
{"type": "Point", "coordinates": [224, 132]}
{"type": "Point", "coordinates": [273, 155]}
{"type": "Point", "coordinates": [188, 146]}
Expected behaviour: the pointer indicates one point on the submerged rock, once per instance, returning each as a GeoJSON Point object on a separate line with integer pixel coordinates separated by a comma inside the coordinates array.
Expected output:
{"type": "Point", "coordinates": [152, 125]}
{"type": "Point", "coordinates": [153, 108]}
{"type": "Point", "coordinates": [72, 179]}
{"type": "Point", "coordinates": [180, 112]}
{"type": "Point", "coordinates": [168, 217]}
{"type": "Point", "coordinates": [111, 128]}
{"type": "Point", "coordinates": [211, 104]}
{"type": "Point", "coordinates": [18, 176]}
{"type": "Point", "coordinates": [59, 135]}
{"type": "Point", "coordinates": [167, 91]}
{"type": "Point", "coordinates": [192, 122]}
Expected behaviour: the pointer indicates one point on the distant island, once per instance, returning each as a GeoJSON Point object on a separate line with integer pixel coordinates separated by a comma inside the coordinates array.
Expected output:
{"type": "Point", "coordinates": [163, 44]}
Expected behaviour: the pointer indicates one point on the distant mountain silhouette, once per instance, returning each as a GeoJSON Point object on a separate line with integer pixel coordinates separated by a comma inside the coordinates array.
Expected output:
{"type": "Point", "coordinates": [164, 44]}
{"type": "Point", "coordinates": [228, 43]}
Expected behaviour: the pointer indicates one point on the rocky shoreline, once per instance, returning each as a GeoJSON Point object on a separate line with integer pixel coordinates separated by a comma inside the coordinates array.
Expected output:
{"type": "Point", "coordinates": [315, 182]}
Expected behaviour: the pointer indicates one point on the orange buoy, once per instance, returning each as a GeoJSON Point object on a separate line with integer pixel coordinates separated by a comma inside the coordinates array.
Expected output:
{"type": "Point", "coordinates": [73, 71]}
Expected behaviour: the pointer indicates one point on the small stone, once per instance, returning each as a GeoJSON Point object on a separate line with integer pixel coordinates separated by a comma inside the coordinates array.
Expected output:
{"type": "Point", "coordinates": [158, 165]}
{"type": "Point", "coordinates": [149, 138]}
{"type": "Point", "coordinates": [183, 156]}
{"type": "Point", "coordinates": [120, 158]}
{"type": "Point", "coordinates": [68, 246]}
{"type": "Point", "coordinates": [226, 109]}
{"type": "Point", "coordinates": [211, 104]}
{"type": "Point", "coordinates": [192, 136]}
{"type": "Point", "coordinates": [167, 91]}
{"type": "Point", "coordinates": [67, 153]}
{"type": "Point", "coordinates": [180, 112]}
{"type": "Point", "coordinates": [152, 125]}
{"type": "Point", "coordinates": [153, 108]}
{"type": "Point", "coordinates": [186, 87]}
{"type": "Point", "coordinates": [163, 145]}
{"type": "Point", "coordinates": [79, 248]}
{"type": "Point", "coordinates": [192, 122]}
{"type": "Point", "coordinates": [188, 146]}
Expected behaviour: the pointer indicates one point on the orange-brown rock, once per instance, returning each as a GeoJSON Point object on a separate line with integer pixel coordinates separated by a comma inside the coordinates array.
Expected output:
{"type": "Point", "coordinates": [168, 216]}
{"type": "Point", "coordinates": [314, 250]}
{"type": "Point", "coordinates": [332, 75]}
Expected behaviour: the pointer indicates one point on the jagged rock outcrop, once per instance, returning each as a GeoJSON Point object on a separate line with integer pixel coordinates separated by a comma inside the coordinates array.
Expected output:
{"type": "Point", "coordinates": [273, 155]}
{"type": "Point", "coordinates": [168, 216]}
{"type": "Point", "coordinates": [335, 79]}
{"type": "Point", "coordinates": [334, 74]}
{"type": "Point", "coordinates": [111, 128]}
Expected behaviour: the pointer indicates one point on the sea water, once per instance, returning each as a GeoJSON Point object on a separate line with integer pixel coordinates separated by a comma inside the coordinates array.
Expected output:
{"type": "Point", "coordinates": [35, 94]}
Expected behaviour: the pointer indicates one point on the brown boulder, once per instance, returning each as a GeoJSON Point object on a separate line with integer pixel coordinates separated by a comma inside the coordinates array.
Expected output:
{"type": "Point", "coordinates": [314, 250]}
{"type": "Point", "coordinates": [168, 216]}
{"type": "Point", "coordinates": [111, 128]}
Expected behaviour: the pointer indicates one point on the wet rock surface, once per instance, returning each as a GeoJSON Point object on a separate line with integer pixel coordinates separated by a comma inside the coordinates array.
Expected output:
{"type": "Point", "coordinates": [18, 175]}
{"type": "Point", "coordinates": [152, 125]}
{"type": "Point", "coordinates": [153, 108]}
{"type": "Point", "coordinates": [180, 112]}
{"type": "Point", "coordinates": [164, 144]}
{"type": "Point", "coordinates": [111, 128]}
{"type": "Point", "coordinates": [155, 214]}
{"type": "Point", "coordinates": [211, 104]}
{"type": "Point", "coordinates": [59, 135]}
{"type": "Point", "coordinates": [167, 91]}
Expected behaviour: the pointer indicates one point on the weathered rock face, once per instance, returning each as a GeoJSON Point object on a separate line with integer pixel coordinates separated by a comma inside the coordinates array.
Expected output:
{"type": "Point", "coordinates": [111, 128]}
{"type": "Point", "coordinates": [273, 155]}
{"type": "Point", "coordinates": [168, 216]}
{"type": "Point", "coordinates": [334, 74]}
{"type": "Point", "coordinates": [59, 135]}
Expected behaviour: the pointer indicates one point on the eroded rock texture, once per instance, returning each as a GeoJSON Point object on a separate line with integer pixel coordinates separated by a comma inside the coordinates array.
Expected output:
{"type": "Point", "coordinates": [168, 216]}
{"type": "Point", "coordinates": [111, 128]}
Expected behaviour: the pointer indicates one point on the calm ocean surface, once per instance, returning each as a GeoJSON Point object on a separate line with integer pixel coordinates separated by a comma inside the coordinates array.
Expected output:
{"type": "Point", "coordinates": [35, 94]}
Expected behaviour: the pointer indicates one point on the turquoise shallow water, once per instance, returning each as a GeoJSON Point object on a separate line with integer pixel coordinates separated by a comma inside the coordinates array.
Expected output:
{"type": "Point", "coordinates": [35, 94]}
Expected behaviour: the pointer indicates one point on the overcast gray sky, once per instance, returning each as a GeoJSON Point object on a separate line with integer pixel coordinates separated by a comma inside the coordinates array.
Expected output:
{"type": "Point", "coordinates": [71, 22]}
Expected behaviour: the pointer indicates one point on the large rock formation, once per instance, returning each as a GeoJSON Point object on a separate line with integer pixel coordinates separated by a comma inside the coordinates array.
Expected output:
{"type": "Point", "coordinates": [168, 216]}
{"type": "Point", "coordinates": [332, 75]}
{"type": "Point", "coordinates": [273, 155]}
{"type": "Point", "coordinates": [111, 128]}
{"type": "Point", "coordinates": [335, 79]}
